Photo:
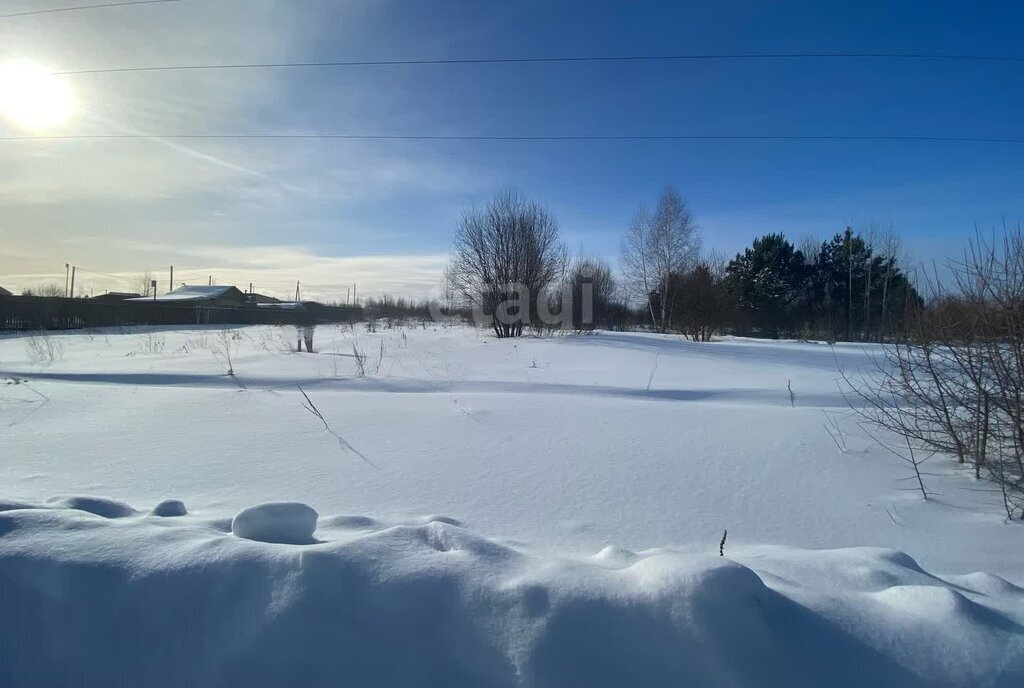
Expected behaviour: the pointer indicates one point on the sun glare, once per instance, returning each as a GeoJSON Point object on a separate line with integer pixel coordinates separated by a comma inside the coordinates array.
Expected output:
{"type": "Point", "coordinates": [32, 98]}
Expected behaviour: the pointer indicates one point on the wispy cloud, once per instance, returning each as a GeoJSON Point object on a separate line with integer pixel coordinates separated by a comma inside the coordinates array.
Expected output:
{"type": "Point", "coordinates": [220, 206]}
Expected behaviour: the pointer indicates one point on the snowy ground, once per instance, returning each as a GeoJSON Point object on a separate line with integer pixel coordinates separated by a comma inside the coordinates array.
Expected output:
{"type": "Point", "coordinates": [539, 511]}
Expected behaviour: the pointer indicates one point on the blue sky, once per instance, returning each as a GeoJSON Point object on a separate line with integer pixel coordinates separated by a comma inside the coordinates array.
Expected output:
{"type": "Point", "coordinates": [381, 213]}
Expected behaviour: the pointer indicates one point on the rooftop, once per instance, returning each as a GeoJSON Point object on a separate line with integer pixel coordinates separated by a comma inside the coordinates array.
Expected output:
{"type": "Point", "coordinates": [189, 293]}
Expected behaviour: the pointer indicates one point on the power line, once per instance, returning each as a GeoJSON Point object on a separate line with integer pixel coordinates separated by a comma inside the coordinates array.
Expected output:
{"type": "Point", "coordinates": [549, 60]}
{"type": "Point", "coordinates": [106, 274]}
{"type": "Point", "coordinates": [84, 7]}
{"type": "Point", "coordinates": [459, 137]}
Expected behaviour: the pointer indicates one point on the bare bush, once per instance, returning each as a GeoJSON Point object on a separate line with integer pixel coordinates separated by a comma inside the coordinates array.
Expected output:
{"type": "Point", "coordinates": [887, 408]}
{"type": "Point", "coordinates": [360, 359]}
{"type": "Point", "coordinates": [956, 387]}
{"type": "Point", "coordinates": [43, 347]}
{"type": "Point", "coordinates": [152, 343]}
{"type": "Point", "coordinates": [276, 340]}
{"type": "Point", "coordinates": [224, 346]}
{"type": "Point", "coordinates": [593, 291]}
{"type": "Point", "coordinates": [703, 299]}
{"type": "Point", "coordinates": [198, 342]}
{"type": "Point", "coordinates": [365, 364]}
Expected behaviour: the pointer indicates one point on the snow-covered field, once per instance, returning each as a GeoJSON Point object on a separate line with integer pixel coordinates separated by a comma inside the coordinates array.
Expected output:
{"type": "Point", "coordinates": [515, 512]}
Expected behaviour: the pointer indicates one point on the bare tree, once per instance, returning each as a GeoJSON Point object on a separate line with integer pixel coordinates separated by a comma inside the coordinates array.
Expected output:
{"type": "Point", "coordinates": [143, 284]}
{"type": "Point", "coordinates": [505, 257]}
{"type": "Point", "coordinates": [49, 289]}
{"type": "Point", "coordinates": [637, 261]}
{"type": "Point", "coordinates": [657, 248]}
{"type": "Point", "coordinates": [810, 246]}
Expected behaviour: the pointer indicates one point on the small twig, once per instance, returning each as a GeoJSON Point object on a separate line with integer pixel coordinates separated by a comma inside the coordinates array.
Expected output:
{"type": "Point", "coordinates": [891, 517]}
{"type": "Point", "coordinates": [833, 439]}
{"type": "Point", "coordinates": [33, 410]}
{"type": "Point", "coordinates": [36, 391]}
{"type": "Point", "coordinates": [654, 369]}
{"type": "Point", "coordinates": [721, 545]}
{"type": "Point", "coordinates": [836, 433]}
{"type": "Point", "coordinates": [840, 447]}
{"type": "Point", "coordinates": [311, 407]}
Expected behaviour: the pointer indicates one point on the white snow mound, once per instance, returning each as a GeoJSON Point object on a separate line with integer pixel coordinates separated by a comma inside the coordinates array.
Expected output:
{"type": "Point", "coordinates": [99, 506]}
{"type": "Point", "coordinates": [170, 508]}
{"type": "Point", "coordinates": [281, 522]}
{"type": "Point", "coordinates": [173, 602]}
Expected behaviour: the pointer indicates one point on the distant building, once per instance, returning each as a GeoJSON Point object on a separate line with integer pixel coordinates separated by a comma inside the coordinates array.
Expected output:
{"type": "Point", "coordinates": [112, 296]}
{"type": "Point", "coordinates": [4, 292]}
{"type": "Point", "coordinates": [228, 297]}
{"type": "Point", "coordinates": [253, 297]}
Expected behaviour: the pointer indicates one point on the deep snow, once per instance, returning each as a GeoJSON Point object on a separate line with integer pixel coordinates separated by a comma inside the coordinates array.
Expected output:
{"type": "Point", "coordinates": [619, 458]}
{"type": "Point", "coordinates": [146, 601]}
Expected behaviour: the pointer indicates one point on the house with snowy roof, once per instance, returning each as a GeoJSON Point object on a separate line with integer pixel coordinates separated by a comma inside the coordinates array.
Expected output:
{"type": "Point", "coordinates": [222, 296]}
{"type": "Point", "coordinates": [115, 296]}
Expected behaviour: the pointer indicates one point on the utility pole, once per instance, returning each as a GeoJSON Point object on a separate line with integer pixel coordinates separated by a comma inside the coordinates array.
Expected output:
{"type": "Point", "coordinates": [348, 295]}
{"type": "Point", "coordinates": [171, 285]}
{"type": "Point", "coordinates": [209, 281]}
{"type": "Point", "coordinates": [355, 299]}
{"type": "Point", "coordinates": [67, 276]}
{"type": "Point", "coordinates": [73, 281]}
{"type": "Point", "coordinates": [296, 290]}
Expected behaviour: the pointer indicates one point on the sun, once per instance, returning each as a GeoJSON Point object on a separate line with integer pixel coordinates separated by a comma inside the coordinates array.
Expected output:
{"type": "Point", "coordinates": [32, 98]}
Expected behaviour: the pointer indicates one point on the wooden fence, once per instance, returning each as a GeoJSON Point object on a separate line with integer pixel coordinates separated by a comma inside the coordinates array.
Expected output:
{"type": "Point", "coordinates": [20, 313]}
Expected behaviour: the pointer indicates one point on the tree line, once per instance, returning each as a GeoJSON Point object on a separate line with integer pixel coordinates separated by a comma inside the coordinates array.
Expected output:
{"type": "Point", "coordinates": [510, 268]}
{"type": "Point", "coordinates": [950, 378]}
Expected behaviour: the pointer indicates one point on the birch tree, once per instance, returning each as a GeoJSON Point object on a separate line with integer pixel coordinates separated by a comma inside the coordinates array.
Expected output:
{"type": "Point", "coordinates": [657, 248]}
{"type": "Point", "coordinates": [637, 263]}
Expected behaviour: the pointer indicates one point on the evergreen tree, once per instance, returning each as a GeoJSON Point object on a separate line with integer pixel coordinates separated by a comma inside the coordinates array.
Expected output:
{"type": "Point", "coordinates": [767, 279]}
{"type": "Point", "coordinates": [850, 286]}
{"type": "Point", "coordinates": [847, 291]}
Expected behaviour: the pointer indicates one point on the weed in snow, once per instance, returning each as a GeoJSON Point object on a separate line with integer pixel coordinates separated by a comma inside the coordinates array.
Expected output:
{"type": "Point", "coordinates": [44, 348]}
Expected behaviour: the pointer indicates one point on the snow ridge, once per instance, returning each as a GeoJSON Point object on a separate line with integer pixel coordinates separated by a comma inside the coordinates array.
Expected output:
{"type": "Point", "coordinates": [95, 596]}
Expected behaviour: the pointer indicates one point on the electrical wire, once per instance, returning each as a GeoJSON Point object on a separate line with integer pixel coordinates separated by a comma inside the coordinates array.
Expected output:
{"type": "Point", "coordinates": [556, 137]}
{"type": "Point", "coordinates": [84, 7]}
{"type": "Point", "coordinates": [552, 60]}
{"type": "Point", "coordinates": [106, 274]}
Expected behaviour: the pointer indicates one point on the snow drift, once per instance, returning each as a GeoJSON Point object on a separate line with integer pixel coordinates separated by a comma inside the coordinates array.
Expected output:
{"type": "Point", "coordinates": [94, 592]}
